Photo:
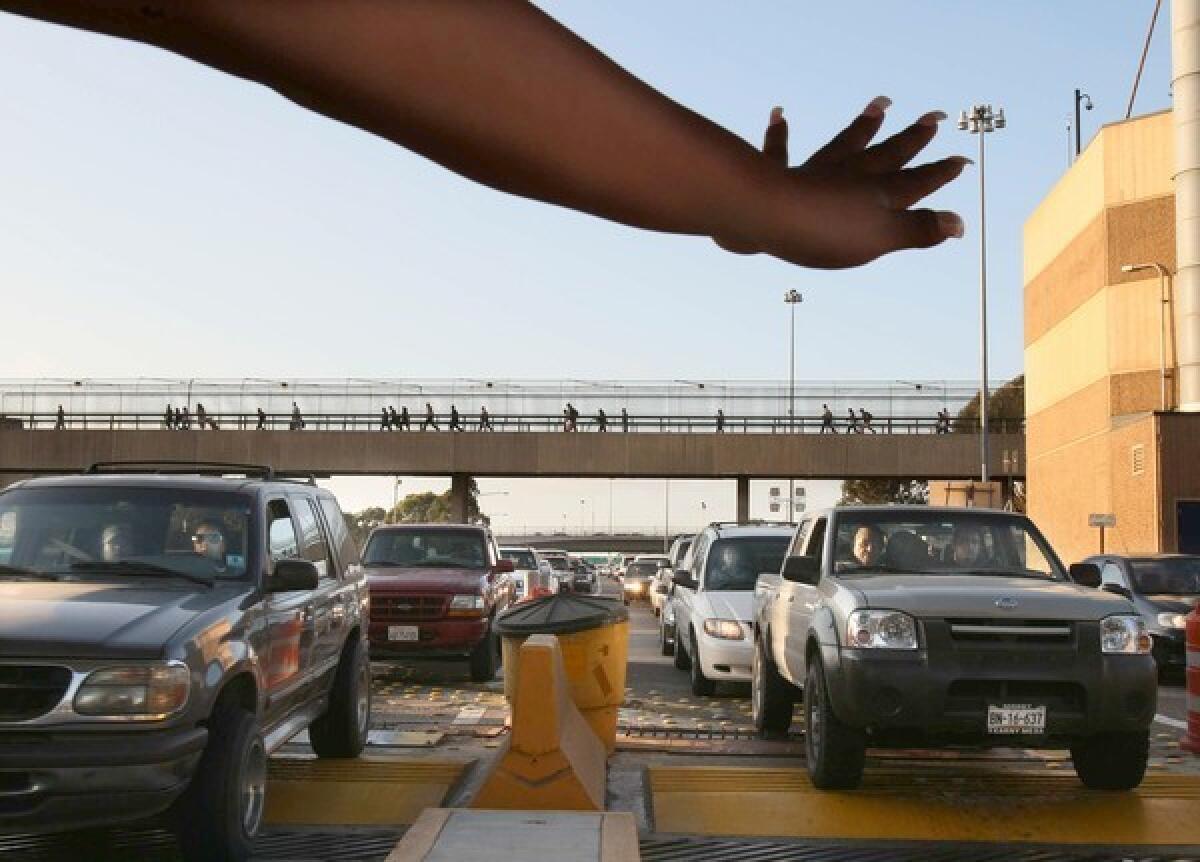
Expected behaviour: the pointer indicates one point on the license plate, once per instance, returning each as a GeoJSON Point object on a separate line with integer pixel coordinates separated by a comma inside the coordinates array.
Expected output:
{"type": "Point", "coordinates": [1016, 718]}
{"type": "Point", "coordinates": [402, 633]}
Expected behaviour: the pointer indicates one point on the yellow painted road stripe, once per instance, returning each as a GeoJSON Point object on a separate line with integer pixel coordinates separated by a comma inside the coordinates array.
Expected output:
{"type": "Point", "coordinates": [945, 805]}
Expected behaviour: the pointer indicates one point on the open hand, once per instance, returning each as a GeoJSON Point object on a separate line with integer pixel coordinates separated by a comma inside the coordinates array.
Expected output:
{"type": "Point", "coordinates": [851, 202]}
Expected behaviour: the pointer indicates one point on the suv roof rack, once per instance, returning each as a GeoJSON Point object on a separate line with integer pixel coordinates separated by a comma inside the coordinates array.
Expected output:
{"type": "Point", "coordinates": [216, 468]}
{"type": "Point", "coordinates": [752, 522]}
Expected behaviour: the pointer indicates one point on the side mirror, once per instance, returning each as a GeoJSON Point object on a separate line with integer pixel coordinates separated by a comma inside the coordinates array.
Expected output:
{"type": "Point", "coordinates": [1085, 574]}
{"type": "Point", "coordinates": [802, 570]}
{"type": "Point", "coordinates": [1118, 590]}
{"type": "Point", "coordinates": [291, 575]}
{"type": "Point", "coordinates": [683, 578]}
{"type": "Point", "coordinates": [503, 565]}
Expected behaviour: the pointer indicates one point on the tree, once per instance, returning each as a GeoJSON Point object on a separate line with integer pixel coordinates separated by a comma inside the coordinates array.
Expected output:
{"type": "Point", "coordinates": [424, 508]}
{"type": "Point", "coordinates": [861, 492]}
{"type": "Point", "coordinates": [1006, 408]}
{"type": "Point", "coordinates": [362, 523]}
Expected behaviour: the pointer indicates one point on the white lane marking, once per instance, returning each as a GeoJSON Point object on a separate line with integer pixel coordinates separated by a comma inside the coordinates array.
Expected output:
{"type": "Point", "coordinates": [1171, 722]}
{"type": "Point", "coordinates": [470, 715]}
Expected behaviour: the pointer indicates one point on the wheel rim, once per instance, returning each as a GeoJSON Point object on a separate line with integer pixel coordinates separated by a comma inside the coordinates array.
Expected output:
{"type": "Point", "coordinates": [363, 704]}
{"type": "Point", "coordinates": [254, 786]}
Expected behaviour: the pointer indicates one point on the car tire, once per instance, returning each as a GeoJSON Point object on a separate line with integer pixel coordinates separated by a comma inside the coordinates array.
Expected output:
{"type": "Point", "coordinates": [218, 816]}
{"type": "Point", "coordinates": [835, 752]}
{"type": "Point", "coordinates": [665, 646]}
{"type": "Point", "coordinates": [683, 661]}
{"type": "Point", "coordinates": [702, 686]}
{"type": "Point", "coordinates": [342, 730]}
{"type": "Point", "coordinates": [484, 660]}
{"type": "Point", "coordinates": [1111, 761]}
{"type": "Point", "coordinates": [772, 697]}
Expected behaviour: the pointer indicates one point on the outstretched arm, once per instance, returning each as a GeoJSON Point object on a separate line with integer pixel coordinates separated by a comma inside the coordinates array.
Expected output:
{"type": "Point", "coordinates": [501, 93]}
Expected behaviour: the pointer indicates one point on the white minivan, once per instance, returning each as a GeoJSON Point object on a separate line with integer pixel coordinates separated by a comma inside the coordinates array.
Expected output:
{"type": "Point", "coordinates": [713, 600]}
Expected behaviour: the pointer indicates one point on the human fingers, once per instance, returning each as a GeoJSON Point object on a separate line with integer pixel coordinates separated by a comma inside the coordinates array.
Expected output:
{"type": "Point", "coordinates": [902, 147]}
{"type": "Point", "coordinates": [775, 140]}
{"type": "Point", "coordinates": [855, 137]}
{"type": "Point", "coordinates": [924, 228]}
{"type": "Point", "coordinates": [905, 188]}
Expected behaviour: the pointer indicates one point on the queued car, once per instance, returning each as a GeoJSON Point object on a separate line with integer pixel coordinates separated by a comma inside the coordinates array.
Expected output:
{"type": "Point", "coordinates": [532, 576]}
{"type": "Point", "coordinates": [713, 600]}
{"type": "Point", "coordinates": [638, 580]}
{"type": "Point", "coordinates": [583, 575]}
{"type": "Point", "coordinates": [1164, 588]}
{"type": "Point", "coordinates": [665, 586]}
{"type": "Point", "coordinates": [660, 590]}
{"type": "Point", "coordinates": [560, 564]}
{"type": "Point", "coordinates": [916, 626]}
{"type": "Point", "coordinates": [436, 590]}
{"type": "Point", "coordinates": [162, 635]}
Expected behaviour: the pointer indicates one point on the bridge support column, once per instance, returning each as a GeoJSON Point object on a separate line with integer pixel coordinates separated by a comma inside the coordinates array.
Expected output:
{"type": "Point", "coordinates": [459, 485]}
{"type": "Point", "coordinates": [743, 498]}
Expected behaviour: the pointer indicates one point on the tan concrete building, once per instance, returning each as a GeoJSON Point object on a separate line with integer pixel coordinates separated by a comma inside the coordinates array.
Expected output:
{"type": "Point", "coordinates": [1100, 355]}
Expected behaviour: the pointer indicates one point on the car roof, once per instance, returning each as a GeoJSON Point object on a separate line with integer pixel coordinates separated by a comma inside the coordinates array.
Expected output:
{"type": "Point", "coordinates": [736, 531]}
{"type": "Point", "coordinates": [185, 481]}
{"type": "Point", "coordinates": [431, 525]}
{"type": "Point", "coordinates": [915, 508]}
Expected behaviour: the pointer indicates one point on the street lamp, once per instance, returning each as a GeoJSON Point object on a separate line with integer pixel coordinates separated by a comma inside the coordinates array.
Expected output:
{"type": "Point", "coordinates": [1163, 300]}
{"type": "Point", "coordinates": [981, 120]}
{"type": "Point", "coordinates": [792, 298]}
{"type": "Point", "coordinates": [1087, 103]}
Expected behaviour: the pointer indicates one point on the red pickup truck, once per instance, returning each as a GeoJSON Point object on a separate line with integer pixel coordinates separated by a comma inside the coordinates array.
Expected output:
{"type": "Point", "coordinates": [435, 591]}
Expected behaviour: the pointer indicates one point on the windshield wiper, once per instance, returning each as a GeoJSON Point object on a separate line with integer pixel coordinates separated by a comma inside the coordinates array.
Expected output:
{"type": "Point", "coordinates": [31, 573]}
{"type": "Point", "coordinates": [132, 567]}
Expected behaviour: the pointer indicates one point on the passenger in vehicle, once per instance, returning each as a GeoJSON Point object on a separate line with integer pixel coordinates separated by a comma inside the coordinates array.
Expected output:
{"type": "Point", "coordinates": [868, 545]}
{"type": "Point", "coordinates": [116, 542]}
{"type": "Point", "coordinates": [729, 570]}
{"type": "Point", "coordinates": [208, 540]}
{"type": "Point", "coordinates": [967, 547]}
{"type": "Point", "coordinates": [908, 551]}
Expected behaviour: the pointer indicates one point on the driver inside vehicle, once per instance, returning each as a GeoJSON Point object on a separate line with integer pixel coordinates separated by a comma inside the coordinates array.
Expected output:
{"type": "Point", "coordinates": [208, 541]}
{"type": "Point", "coordinates": [868, 545]}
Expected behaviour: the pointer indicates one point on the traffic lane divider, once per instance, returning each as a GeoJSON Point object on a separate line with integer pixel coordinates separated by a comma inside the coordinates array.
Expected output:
{"type": "Point", "coordinates": [992, 806]}
{"type": "Point", "coordinates": [445, 833]}
{"type": "Point", "coordinates": [365, 791]}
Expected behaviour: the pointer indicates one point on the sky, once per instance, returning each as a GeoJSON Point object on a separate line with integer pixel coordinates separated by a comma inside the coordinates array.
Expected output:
{"type": "Point", "coordinates": [158, 218]}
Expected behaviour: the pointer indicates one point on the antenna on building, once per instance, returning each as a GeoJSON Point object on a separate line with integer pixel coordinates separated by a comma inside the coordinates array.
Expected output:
{"type": "Point", "coordinates": [1142, 62]}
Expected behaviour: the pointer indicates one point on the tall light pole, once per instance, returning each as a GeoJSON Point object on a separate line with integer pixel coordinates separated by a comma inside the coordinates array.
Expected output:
{"type": "Point", "coordinates": [1163, 301]}
{"type": "Point", "coordinates": [1083, 97]}
{"type": "Point", "coordinates": [982, 120]}
{"type": "Point", "coordinates": [793, 298]}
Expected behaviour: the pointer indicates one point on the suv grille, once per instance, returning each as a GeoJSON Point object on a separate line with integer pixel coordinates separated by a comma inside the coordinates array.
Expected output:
{"type": "Point", "coordinates": [394, 609]}
{"type": "Point", "coordinates": [30, 691]}
{"type": "Point", "coordinates": [974, 695]}
{"type": "Point", "coordinates": [1010, 631]}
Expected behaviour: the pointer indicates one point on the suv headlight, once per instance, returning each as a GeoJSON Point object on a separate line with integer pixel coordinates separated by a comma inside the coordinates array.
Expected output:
{"type": "Point", "coordinates": [139, 690]}
{"type": "Point", "coordinates": [466, 605]}
{"type": "Point", "coordinates": [1172, 621]}
{"type": "Point", "coordinates": [1124, 635]}
{"type": "Point", "coordinates": [729, 630]}
{"type": "Point", "coordinates": [881, 630]}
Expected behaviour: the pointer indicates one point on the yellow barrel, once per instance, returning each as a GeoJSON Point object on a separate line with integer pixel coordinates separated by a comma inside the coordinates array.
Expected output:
{"type": "Point", "coordinates": [593, 634]}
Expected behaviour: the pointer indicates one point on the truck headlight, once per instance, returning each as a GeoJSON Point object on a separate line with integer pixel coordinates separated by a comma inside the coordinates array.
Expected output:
{"type": "Point", "coordinates": [730, 630]}
{"type": "Point", "coordinates": [1124, 635]}
{"type": "Point", "coordinates": [1172, 621]}
{"type": "Point", "coordinates": [466, 606]}
{"type": "Point", "coordinates": [881, 630]}
{"type": "Point", "coordinates": [139, 690]}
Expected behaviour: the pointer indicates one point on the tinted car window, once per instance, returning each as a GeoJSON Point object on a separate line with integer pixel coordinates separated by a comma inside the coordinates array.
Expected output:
{"type": "Point", "coordinates": [736, 563]}
{"type": "Point", "coordinates": [430, 548]}
{"type": "Point", "coordinates": [72, 530]}
{"type": "Point", "coordinates": [339, 533]}
{"type": "Point", "coordinates": [1178, 576]}
{"type": "Point", "coordinates": [521, 559]}
{"type": "Point", "coordinates": [312, 541]}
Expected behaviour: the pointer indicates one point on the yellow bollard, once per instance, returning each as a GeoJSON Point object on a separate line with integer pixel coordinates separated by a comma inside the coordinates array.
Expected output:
{"type": "Point", "coordinates": [552, 760]}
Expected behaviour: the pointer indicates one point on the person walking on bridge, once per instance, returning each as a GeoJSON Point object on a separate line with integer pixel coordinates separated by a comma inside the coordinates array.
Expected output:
{"type": "Point", "coordinates": [851, 422]}
{"type": "Point", "coordinates": [201, 416]}
{"type": "Point", "coordinates": [485, 420]}
{"type": "Point", "coordinates": [602, 421]}
{"type": "Point", "coordinates": [430, 418]}
{"type": "Point", "coordinates": [455, 419]}
{"type": "Point", "coordinates": [297, 418]}
{"type": "Point", "coordinates": [262, 420]}
{"type": "Point", "coordinates": [572, 423]}
{"type": "Point", "coordinates": [385, 419]}
{"type": "Point", "coordinates": [624, 421]}
{"type": "Point", "coordinates": [720, 421]}
{"type": "Point", "coordinates": [60, 419]}
{"type": "Point", "coordinates": [183, 418]}
{"type": "Point", "coordinates": [399, 421]}
{"type": "Point", "coordinates": [866, 418]}
{"type": "Point", "coordinates": [169, 418]}
{"type": "Point", "coordinates": [827, 420]}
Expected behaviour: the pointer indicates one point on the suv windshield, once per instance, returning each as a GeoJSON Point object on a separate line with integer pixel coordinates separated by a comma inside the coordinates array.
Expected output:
{"type": "Point", "coordinates": [940, 542]}
{"type": "Point", "coordinates": [521, 559]}
{"type": "Point", "coordinates": [427, 547]}
{"type": "Point", "coordinates": [126, 532]}
{"type": "Point", "coordinates": [1175, 576]}
{"type": "Point", "coordinates": [641, 570]}
{"type": "Point", "coordinates": [735, 563]}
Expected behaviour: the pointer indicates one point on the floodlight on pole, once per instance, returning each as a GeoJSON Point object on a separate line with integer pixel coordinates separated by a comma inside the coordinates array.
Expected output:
{"type": "Point", "coordinates": [792, 298]}
{"type": "Point", "coordinates": [982, 120]}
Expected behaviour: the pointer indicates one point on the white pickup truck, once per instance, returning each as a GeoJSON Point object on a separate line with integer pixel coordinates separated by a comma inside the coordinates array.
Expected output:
{"type": "Point", "coordinates": [916, 626]}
